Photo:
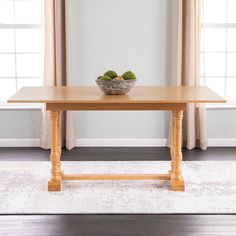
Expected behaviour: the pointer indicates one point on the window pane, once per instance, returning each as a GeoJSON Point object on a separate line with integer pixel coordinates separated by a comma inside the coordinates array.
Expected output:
{"type": "Point", "coordinates": [231, 64]}
{"type": "Point", "coordinates": [217, 85]}
{"type": "Point", "coordinates": [231, 87]}
{"type": "Point", "coordinates": [202, 81]}
{"type": "Point", "coordinates": [29, 82]}
{"type": "Point", "coordinates": [6, 40]}
{"type": "Point", "coordinates": [7, 65]}
{"type": "Point", "coordinates": [29, 40]}
{"type": "Point", "coordinates": [7, 88]}
{"type": "Point", "coordinates": [6, 12]}
{"type": "Point", "coordinates": [28, 12]}
{"type": "Point", "coordinates": [214, 40]}
{"type": "Point", "coordinates": [215, 11]}
{"type": "Point", "coordinates": [215, 64]}
{"type": "Point", "coordinates": [202, 65]}
{"type": "Point", "coordinates": [29, 65]}
{"type": "Point", "coordinates": [232, 39]}
{"type": "Point", "coordinates": [231, 11]}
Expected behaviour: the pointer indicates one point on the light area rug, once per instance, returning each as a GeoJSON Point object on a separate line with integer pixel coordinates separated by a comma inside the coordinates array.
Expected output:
{"type": "Point", "coordinates": [210, 188]}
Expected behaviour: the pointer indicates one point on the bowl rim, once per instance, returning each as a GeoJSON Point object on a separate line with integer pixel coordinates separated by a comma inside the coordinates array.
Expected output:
{"type": "Point", "coordinates": [97, 79]}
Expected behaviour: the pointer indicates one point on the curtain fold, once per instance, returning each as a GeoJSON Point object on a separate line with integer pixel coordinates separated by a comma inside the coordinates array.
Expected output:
{"type": "Point", "coordinates": [185, 67]}
{"type": "Point", "coordinates": [57, 68]}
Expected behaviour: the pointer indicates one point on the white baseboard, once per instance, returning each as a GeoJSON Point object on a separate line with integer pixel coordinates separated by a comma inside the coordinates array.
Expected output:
{"type": "Point", "coordinates": [228, 142]}
{"type": "Point", "coordinates": [87, 142]}
{"type": "Point", "coordinates": [114, 142]}
{"type": "Point", "coordinates": [224, 142]}
{"type": "Point", "coordinates": [19, 142]}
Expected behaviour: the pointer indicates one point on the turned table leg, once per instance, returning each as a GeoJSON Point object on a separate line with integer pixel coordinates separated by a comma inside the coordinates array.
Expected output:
{"type": "Point", "coordinates": [56, 174]}
{"type": "Point", "coordinates": [177, 182]}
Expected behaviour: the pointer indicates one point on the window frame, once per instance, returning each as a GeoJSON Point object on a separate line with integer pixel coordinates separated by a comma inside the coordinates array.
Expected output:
{"type": "Point", "coordinates": [223, 25]}
{"type": "Point", "coordinates": [3, 104]}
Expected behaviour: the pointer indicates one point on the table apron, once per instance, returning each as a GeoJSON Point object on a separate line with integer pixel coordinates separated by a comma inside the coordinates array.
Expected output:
{"type": "Point", "coordinates": [114, 106]}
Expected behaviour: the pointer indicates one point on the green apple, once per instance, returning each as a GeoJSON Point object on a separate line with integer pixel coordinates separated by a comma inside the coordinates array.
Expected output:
{"type": "Point", "coordinates": [129, 75]}
{"type": "Point", "coordinates": [112, 74]}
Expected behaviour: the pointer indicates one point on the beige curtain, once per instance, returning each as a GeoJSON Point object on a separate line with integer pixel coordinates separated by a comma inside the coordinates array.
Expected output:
{"type": "Point", "coordinates": [56, 68]}
{"type": "Point", "coordinates": [185, 67]}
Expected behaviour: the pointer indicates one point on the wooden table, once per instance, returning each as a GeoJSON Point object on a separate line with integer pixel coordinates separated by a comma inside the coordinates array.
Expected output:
{"type": "Point", "coordinates": [173, 98]}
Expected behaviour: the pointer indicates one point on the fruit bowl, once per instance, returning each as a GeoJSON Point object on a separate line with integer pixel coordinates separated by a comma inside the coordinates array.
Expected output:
{"type": "Point", "coordinates": [115, 87]}
{"type": "Point", "coordinates": [112, 84]}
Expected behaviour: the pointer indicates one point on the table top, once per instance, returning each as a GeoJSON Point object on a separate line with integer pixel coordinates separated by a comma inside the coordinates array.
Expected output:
{"type": "Point", "coordinates": [138, 94]}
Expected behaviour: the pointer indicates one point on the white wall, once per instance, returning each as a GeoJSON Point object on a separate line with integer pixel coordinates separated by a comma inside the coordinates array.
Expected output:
{"type": "Point", "coordinates": [17, 124]}
{"type": "Point", "coordinates": [221, 124]}
{"type": "Point", "coordinates": [120, 35]}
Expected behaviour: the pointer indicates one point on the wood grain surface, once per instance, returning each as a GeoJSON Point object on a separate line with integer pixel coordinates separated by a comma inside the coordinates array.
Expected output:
{"type": "Point", "coordinates": [138, 95]}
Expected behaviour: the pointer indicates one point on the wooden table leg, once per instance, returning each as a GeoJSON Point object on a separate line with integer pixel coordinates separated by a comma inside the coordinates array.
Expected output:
{"type": "Point", "coordinates": [56, 174]}
{"type": "Point", "coordinates": [177, 181]}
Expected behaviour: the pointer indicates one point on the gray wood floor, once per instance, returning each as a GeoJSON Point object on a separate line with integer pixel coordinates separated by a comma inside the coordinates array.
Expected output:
{"type": "Point", "coordinates": [117, 154]}
{"type": "Point", "coordinates": [117, 225]}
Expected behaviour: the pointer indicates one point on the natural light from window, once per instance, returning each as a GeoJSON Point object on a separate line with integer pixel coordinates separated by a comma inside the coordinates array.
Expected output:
{"type": "Point", "coordinates": [21, 45]}
{"type": "Point", "coordinates": [218, 47]}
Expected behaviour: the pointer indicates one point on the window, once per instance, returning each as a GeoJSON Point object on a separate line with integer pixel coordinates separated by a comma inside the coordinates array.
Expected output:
{"type": "Point", "coordinates": [218, 47]}
{"type": "Point", "coordinates": [21, 45]}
